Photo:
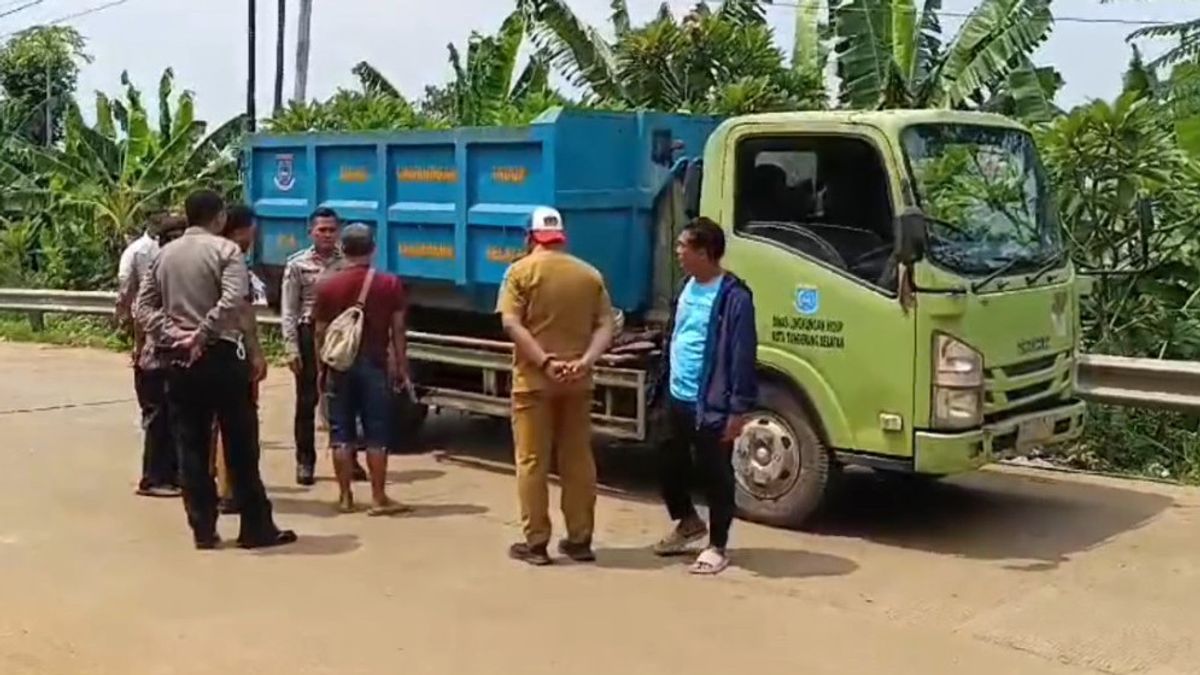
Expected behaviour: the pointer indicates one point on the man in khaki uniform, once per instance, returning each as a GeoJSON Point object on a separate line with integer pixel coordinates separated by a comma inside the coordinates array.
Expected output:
{"type": "Point", "coordinates": [558, 313]}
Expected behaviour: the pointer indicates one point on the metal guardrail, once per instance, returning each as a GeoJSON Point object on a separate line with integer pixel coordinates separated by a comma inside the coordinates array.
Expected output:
{"type": "Point", "coordinates": [1111, 380]}
{"type": "Point", "coordinates": [1140, 383]}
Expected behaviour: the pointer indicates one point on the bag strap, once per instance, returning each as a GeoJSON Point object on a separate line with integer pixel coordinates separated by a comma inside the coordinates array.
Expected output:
{"type": "Point", "coordinates": [366, 288]}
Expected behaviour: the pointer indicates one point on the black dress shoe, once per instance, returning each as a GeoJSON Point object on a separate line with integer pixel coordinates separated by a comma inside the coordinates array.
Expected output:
{"type": "Point", "coordinates": [277, 538]}
{"type": "Point", "coordinates": [577, 552]}
{"type": "Point", "coordinates": [208, 543]}
{"type": "Point", "coordinates": [534, 555]}
{"type": "Point", "coordinates": [305, 475]}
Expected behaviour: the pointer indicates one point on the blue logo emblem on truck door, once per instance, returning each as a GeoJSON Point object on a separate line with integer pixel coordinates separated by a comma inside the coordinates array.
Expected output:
{"type": "Point", "coordinates": [808, 300]}
{"type": "Point", "coordinates": [285, 172]}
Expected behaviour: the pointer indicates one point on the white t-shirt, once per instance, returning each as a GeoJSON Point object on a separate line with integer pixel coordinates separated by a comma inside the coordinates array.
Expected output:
{"type": "Point", "coordinates": [144, 243]}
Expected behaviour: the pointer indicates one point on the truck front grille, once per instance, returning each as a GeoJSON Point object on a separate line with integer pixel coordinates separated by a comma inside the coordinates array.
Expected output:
{"type": "Point", "coordinates": [1018, 387]}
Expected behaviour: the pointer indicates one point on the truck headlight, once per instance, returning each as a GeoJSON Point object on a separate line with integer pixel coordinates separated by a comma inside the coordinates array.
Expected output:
{"type": "Point", "coordinates": [957, 384]}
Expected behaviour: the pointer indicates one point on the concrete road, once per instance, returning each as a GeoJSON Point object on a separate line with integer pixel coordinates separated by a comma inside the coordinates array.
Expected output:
{"type": "Point", "coordinates": [998, 572]}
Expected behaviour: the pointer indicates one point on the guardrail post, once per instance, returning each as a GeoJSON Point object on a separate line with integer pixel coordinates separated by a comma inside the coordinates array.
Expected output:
{"type": "Point", "coordinates": [37, 320]}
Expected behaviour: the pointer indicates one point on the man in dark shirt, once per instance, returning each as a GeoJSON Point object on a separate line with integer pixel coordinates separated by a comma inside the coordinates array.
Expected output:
{"type": "Point", "coordinates": [363, 392]}
{"type": "Point", "coordinates": [192, 304]}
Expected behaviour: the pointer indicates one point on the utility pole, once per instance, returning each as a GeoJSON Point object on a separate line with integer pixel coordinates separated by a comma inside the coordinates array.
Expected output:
{"type": "Point", "coordinates": [280, 35]}
{"type": "Point", "coordinates": [303, 42]}
{"type": "Point", "coordinates": [251, 82]}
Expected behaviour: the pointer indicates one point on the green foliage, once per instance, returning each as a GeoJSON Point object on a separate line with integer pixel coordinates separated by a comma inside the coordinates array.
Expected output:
{"type": "Point", "coordinates": [721, 62]}
{"type": "Point", "coordinates": [890, 54]}
{"type": "Point", "coordinates": [1129, 191]}
{"type": "Point", "coordinates": [67, 331]}
{"type": "Point", "coordinates": [483, 92]}
{"type": "Point", "coordinates": [39, 68]}
{"type": "Point", "coordinates": [1128, 196]}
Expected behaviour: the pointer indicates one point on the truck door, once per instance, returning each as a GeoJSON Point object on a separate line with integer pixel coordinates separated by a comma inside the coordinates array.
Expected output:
{"type": "Point", "coordinates": [812, 214]}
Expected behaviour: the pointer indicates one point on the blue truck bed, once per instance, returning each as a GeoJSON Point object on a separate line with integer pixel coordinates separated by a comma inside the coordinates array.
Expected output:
{"type": "Point", "coordinates": [450, 207]}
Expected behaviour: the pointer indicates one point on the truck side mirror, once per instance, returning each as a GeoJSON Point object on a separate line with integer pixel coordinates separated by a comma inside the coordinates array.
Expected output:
{"type": "Point", "coordinates": [692, 179]}
{"type": "Point", "coordinates": [911, 236]}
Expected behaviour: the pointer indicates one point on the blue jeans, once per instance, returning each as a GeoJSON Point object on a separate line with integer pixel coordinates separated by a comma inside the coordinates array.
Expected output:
{"type": "Point", "coordinates": [360, 394]}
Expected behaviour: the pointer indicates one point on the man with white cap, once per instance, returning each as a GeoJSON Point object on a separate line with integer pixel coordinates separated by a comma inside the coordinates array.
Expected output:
{"type": "Point", "coordinates": [557, 311]}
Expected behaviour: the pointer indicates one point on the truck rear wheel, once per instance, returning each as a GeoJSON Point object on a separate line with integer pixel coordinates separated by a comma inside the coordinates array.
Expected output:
{"type": "Point", "coordinates": [783, 469]}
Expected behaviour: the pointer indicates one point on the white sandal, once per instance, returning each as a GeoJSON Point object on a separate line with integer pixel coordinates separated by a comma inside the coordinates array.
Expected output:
{"type": "Point", "coordinates": [710, 562]}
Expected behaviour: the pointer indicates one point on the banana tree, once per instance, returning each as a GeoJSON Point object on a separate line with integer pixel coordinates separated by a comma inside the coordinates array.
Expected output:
{"type": "Point", "coordinates": [721, 61]}
{"type": "Point", "coordinates": [484, 91]}
{"type": "Point", "coordinates": [119, 170]}
{"type": "Point", "coordinates": [890, 54]}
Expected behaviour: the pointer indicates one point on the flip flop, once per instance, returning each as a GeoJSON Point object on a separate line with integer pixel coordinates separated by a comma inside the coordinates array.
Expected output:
{"type": "Point", "coordinates": [390, 508]}
{"type": "Point", "coordinates": [710, 562]}
{"type": "Point", "coordinates": [677, 541]}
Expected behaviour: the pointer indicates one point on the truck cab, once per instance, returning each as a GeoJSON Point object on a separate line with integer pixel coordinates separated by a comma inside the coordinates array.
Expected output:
{"type": "Point", "coordinates": [916, 309]}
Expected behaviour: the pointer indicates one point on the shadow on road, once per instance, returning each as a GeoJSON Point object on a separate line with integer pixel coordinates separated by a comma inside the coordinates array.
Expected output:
{"type": "Point", "coordinates": [1034, 521]}
{"type": "Point", "coordinates": [316, 544]}
{"type": "Point", "coordinates": [1039, 520]}
{"type": "Point", "coordinates": [771, 563]}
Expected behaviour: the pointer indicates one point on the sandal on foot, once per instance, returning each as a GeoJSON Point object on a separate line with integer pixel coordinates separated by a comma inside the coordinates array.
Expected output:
{"type": "Point", "coordinates": [711, 561]}
{"type": "Point", "coordinates": [345, 506]}
{"type": "Point", "coordinates": [678, 540]}
{"type": "Point", "coordinates": [388, 508]}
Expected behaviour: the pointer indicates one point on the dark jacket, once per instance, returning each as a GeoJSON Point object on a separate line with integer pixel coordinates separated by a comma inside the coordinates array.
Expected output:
{"type": "Point", "coordinates": [728, 382]}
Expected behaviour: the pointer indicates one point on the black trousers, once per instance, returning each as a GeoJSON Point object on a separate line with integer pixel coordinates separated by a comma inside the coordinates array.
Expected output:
{"type": "Point", "coordinates": [306, 399]}
{"type": "Point", "coordinates": [218, 384]}
{"type": "Point", "coordinates": [692, 454]}
{"type": "Point", "coordinates": [160, 461]}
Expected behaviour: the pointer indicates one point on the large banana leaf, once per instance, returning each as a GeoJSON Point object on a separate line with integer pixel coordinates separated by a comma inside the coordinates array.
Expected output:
{"type": "Point", "coordinates": [864, 51]}
{"type": "Point", "coordinates": [105, 122]}
{"type": "Point", "coordinates": [1186, 32]}
{"type": "Point", "coordinates": [744, 12]}
{"type": "Point", "coordinates": [991, 43]}
{"type": "Point", "coordinates": [619, 17]}
{"type": "Point", "coordinates": [1032, 92]}
{"type": "Point", "coordinates": [171, 158]}
{"type": "Point", "coordinates": [809, 50]}
{"type": "Point", "coordinates": [137, 145]}
{"type": "Point", "coordinates": [576, 49]}
{"type": "Point", "coordinates": [166, 87]}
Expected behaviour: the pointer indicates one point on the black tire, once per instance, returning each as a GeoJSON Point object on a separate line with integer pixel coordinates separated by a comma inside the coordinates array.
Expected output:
{"type": "Point", "coordinates": [805, 494]}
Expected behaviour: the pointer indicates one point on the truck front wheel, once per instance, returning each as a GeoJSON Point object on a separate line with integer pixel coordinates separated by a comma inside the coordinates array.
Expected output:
{"type": "Point", "coordinates": [783, 469]}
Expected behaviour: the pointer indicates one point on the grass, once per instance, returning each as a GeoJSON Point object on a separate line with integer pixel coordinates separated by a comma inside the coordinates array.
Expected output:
{"type": "Point", "coordinates": [95, 332]}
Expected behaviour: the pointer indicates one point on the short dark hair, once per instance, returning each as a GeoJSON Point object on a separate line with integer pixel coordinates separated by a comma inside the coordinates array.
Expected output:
{"type": "Point", "coordinates": [203, 207]}
{"type": "Point", "coordinates": [358, 240]}
{"type": "Point", "coordinates": [705, 235]}
{"type": "Point", "coordinates": [323, 212]}
{"type": "Point", "coordinates": [237, 217]}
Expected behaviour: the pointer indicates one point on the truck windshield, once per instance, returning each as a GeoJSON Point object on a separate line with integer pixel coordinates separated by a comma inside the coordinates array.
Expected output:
{"type": "Point", "coordinates": [985, 195]}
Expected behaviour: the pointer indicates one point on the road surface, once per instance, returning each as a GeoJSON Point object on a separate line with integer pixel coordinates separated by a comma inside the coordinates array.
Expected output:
{"type": "Point", "coordinates": [1003, 571]}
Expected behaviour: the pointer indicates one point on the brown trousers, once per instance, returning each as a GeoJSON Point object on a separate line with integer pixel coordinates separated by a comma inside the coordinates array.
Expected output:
{"type": "Point", "coordinates": [554, 423]}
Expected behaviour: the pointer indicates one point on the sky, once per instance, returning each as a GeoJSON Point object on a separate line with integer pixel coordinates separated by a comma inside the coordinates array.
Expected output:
{"type": "Point", "coordinates": [205, 41]}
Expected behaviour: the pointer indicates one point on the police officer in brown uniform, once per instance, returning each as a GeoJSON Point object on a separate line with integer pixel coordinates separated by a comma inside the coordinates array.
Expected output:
{"type": "Point", "coordinates": [304, 268]}
{"type": "Point", "coordinates": [558, 313]}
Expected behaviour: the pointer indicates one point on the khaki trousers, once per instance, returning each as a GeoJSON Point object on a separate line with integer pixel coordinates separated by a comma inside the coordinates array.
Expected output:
{"type": "Point", "coordinates": [558, 423]}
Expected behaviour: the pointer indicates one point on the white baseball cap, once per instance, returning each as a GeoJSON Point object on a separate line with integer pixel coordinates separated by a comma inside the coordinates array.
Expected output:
{"type": "Point", "coordinates": [546, 226]}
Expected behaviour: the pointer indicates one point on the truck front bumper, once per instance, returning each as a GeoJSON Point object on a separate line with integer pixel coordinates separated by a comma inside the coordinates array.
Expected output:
{"type": "Point", "coordinates": [947, 453]}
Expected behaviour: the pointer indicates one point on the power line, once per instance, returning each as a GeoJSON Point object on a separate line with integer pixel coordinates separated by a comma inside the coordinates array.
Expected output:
{"type": "Point", "coordinates": [967, 15]}
{"type": "Point", "coordinates": [22, 8]}
{"type": "Point", "coordinates": [77, 15]}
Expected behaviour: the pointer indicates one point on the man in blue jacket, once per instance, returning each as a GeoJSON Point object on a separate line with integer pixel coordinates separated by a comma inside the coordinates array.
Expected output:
{"type": "Point", "coordinates": [712, 387]}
